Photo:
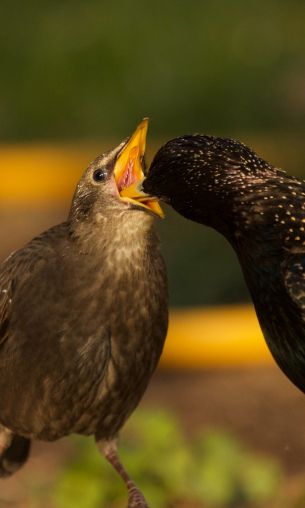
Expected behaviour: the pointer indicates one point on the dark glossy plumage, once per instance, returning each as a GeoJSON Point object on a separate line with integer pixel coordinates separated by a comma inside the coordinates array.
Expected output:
{"type": "Point", "coordinates": [261, 211]}
{"type": "Point", "coordinates": [83, 318]}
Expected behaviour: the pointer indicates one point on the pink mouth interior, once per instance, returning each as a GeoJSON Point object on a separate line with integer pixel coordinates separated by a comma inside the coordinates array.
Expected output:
{"type": "Point", "coordinates": [128, 177]}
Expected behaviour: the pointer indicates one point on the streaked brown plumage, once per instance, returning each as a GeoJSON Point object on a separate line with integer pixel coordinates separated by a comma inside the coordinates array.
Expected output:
{"type": "Point", "coordinates": [83, 318]}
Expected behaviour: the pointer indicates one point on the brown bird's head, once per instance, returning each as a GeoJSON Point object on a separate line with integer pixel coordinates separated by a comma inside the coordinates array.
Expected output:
{"type": "Point", "coordinates": [109, 184]}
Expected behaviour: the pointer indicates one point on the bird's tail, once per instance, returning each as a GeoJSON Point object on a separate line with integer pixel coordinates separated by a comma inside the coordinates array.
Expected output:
{"type": "Point", "coordinates": [14, 456]}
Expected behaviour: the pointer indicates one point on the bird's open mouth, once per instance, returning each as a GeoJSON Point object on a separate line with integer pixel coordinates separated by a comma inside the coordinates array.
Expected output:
{"type": "Point", "coordinates": [128, 171]}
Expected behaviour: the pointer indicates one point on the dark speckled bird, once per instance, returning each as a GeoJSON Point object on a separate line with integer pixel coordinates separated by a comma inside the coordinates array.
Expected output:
{"type": "Point", "coordinates": [83, 316]}
{"type": "Point", "coordinates": [261, 211]}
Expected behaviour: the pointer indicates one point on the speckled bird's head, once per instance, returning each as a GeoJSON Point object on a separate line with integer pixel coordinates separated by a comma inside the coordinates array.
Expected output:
{"type": "Point", "coordinates": [221, 183]}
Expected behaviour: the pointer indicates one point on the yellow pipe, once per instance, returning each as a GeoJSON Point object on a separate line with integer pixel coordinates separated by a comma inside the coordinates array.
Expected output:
{"type": "Point", "coordinates": [215, 337]}
{"type": "Point", "coordinates": [36, 174]}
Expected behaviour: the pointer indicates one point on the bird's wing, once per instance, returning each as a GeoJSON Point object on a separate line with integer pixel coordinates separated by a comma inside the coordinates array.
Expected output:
{"type": "Point", "coordinates": [6, 293]}
{"type": "Point", "coordinates": [294, 279]}
{"type": "Point", "coordinates": [20, 265]}
{"type": "Point", "coordinates": [15, 270]}
{"type": "Point", "coordinates": [10, 269]}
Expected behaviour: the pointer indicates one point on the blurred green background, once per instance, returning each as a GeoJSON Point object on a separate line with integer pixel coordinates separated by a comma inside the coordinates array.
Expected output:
{"type": "Point", "coordinates": [90, 69]}
{"type": "Point", "coordinates": [83, 74]}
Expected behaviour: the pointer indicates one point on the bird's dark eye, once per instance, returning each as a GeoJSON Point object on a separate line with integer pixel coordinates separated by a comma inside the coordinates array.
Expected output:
{"type": "Point", "coordinates": [99, 175]}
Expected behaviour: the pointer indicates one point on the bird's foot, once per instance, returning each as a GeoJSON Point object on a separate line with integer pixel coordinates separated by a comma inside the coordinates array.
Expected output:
{"type": "Point", "coordinates": [135, 497]}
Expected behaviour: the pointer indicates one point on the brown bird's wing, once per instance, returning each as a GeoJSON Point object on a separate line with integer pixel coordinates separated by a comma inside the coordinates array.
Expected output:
{"type": "Point", "coordinates": [10, 269]}
{"type": "Point", "coordinates": [51, 358]}
{"type": "Point", "coordinates": [18, 264]}
{"type": "Point", "coordinates": [6, 293]}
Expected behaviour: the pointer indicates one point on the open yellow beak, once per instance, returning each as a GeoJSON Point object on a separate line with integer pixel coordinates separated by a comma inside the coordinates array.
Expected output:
{"type": "Point", "coordinates": [128, 171]}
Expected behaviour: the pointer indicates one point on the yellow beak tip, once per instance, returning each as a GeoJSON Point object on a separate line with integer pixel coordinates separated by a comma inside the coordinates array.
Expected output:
{"type": "Point", "coordinates": [128, 171]}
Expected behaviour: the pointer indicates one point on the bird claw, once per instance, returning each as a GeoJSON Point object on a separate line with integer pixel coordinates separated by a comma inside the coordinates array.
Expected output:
{"type": "Point", "coordinates": [137, 503]}
{"type": "Point", "coordinates": [136, 499]}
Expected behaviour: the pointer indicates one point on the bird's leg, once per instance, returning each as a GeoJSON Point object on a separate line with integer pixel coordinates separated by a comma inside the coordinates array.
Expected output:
{"type": "Point", "coordinates": [110, 452]}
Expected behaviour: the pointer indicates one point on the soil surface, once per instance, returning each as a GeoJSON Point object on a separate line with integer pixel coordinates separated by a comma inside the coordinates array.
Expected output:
{"type": "Point", "coordinates": [259, 405]}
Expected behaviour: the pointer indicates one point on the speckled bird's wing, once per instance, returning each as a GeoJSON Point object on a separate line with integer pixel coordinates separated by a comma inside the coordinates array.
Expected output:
{"type": "Point", "coordinates": [294, 279]}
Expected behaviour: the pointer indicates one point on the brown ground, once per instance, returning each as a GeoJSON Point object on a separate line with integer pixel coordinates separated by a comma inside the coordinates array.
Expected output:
{"type": "Point", "coordinates": [259, 405]}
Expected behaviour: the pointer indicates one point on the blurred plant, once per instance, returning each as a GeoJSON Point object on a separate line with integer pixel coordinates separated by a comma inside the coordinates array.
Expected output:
{"type": "Point", "coordinates": [211, 471]}
{"type": "Point", "coordinates": [300, 500]}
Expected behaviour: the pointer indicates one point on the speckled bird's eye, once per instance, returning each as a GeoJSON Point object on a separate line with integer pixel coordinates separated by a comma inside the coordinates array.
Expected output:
{"type": "Point", "coordinates": [100, 175]}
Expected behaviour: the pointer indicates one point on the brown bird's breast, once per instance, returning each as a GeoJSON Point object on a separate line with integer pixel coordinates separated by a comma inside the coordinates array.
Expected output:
{"type": "Point", "coordinates": [86, 331]}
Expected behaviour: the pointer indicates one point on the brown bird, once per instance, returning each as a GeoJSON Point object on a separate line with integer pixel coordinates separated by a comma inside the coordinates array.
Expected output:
{"type": "Point", "coordinates": [83, 316]}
